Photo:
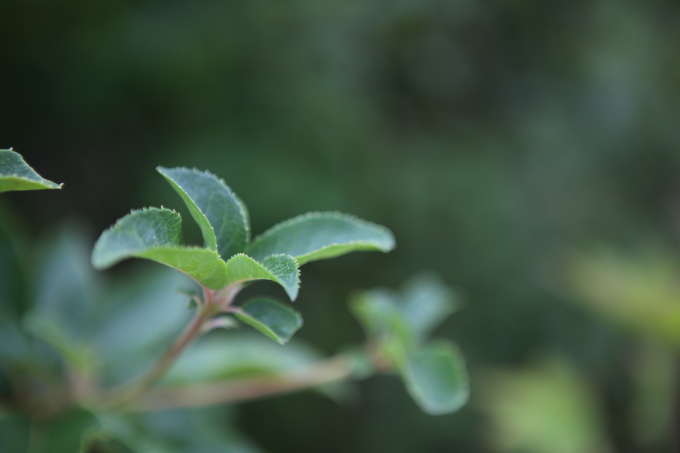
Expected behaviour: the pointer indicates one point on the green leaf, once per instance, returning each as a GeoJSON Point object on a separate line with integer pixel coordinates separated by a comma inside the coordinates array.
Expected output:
{"type": "Point", "coordinates": [426, 301]}
{"type": "Point", "coordinates": [384, 322]}
{"type": "Point", "coordinates": [14, 266]}
{"type": "Point", "coordinates": [378, 312]}
{"type": "Point", "coordinates": [282, 269]}
{"type": "Point", "coordinates": [436, 378]}
{"type": "Point", "coordinates": [220, 214]}
{"type": "Point", "coordinates": [270, 317]}
{"type": "Point", "coordinates": [77, 354]}
{"type": "Point", "coordinates": [225, 355]}
{"type": "Point", "coordinates": [138, 318]}
{"type": "Point", "coordinates": [156, 234]}
{"type": "Point", "coordinates": [66, 294]}
{"type": "Point", "coordinates": [14, 434]}
{"type": "Point", "coordinates": [180, 431]}
{"type": "Point", "coordinates": [65, 433]}
{"type": "Point", "coordinates": [321, 235]}
{"type": "Point", "coordinates": [549, 406]}
{"type": "Point", "coordinates": [15, 174]}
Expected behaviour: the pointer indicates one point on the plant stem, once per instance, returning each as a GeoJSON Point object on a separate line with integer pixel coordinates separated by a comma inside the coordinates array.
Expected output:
{"type": "Point", "coordinates": [235, 390]}
{"type": "Point", "coordinates": [212, 304]}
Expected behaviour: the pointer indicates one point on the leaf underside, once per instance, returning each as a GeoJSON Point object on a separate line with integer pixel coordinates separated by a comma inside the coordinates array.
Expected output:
{"type": "Point", "coordinates": [16, 174]}
{"type": "Point", "coordinates": [321, 235]}
{"type": "Point", "coordinates": [156, 234]}
{"type": "Point", "coordinates": [221, 215]}
{"type": "Point", "coordinates": [436, 379]}
{"type": "Point", "coordinates": [282, 269]}
{"type": "Point", "coordinates": [271, 318]}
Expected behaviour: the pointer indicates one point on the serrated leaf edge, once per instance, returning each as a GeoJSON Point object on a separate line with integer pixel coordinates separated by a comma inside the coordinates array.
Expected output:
{"type": "Point", "coordinates": [145, 209]}
{"type": "Point", "coordinates": [45, 182]}
{"type": "Point", "coordinates": [241, 204]}
{"type": "Point", "coordinates": [297, 266]}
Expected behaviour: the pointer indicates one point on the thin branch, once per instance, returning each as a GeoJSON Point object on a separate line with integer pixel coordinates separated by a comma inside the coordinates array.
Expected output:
{"type": "Point", "coordinates": [236, 390]}
{"type": "Point", "coordinates": [130, 391]}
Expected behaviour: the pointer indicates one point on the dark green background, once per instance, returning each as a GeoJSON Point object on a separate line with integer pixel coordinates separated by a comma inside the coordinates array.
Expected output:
{"type": "Point", "coordinates": [486, 134]}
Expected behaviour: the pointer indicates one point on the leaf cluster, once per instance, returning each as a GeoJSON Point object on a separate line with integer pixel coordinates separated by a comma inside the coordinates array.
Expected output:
{"type": "Point", "coordinates": [398, 325]}
{"type": "Point", "coordinates": [77, 336]}
{"type": "Point", "coordinates": [229, 258]}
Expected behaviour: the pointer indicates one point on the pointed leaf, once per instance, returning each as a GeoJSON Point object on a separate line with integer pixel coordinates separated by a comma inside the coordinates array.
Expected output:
{"type": "Point", "coordinates": [221, 215]}
{"type": "Point", "coordinates": [156, 234]}
{"type": "Point", "coordinates": [321, 235]}
{"type": "Point", "coordinates": [15, 174]}
{"type": "Point", "coordinates": [436, 378]}
{"type": "Point", "coordinates": [282, 269]}
{"type": "Point", "coordinates": [270, 317]}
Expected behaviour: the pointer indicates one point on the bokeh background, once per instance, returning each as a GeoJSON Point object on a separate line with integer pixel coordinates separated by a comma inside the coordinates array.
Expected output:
{"type": "Point", "coordinates": [527, 151]}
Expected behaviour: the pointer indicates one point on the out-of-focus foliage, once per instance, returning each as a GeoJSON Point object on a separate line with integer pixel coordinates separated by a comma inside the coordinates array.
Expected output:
{"type": "Point", "coordinates": [56, 397]}
{"type": "Point", "coordinates": [396, 324]}
{"type": "Point", "coordinates": [545, 408]}
{"type": "Point", "coordinates": [485, 134]}
{"type": "Point", "coordinates": [642, 291]}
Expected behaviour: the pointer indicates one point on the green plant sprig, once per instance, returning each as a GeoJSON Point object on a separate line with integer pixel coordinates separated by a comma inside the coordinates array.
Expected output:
{"type": "Point", "coordinates": [229, 260]}
{"type": "Point", "coordinates": [397, 323]}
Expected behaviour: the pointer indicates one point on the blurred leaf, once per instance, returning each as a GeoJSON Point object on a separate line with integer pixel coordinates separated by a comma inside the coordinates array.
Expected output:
{"type": "Point", "coordinates": [67, 289]}
{"type": "Point", "coordinates": [139, 316]}
{"type": "Point", "coordinates": [156, 234]}
{"type": "Point", "coordinates": [426, 301]}
{"type": "Point", "coordinates": [282, 269]}
{"type": "Point", "coordinates": [63, 434]}
{"type": "Point", "coordinates": [655, 375]}
{"type": "Point", "coordinates": [436, 378]}
{"type": "Point", "coordinates": [222, 217]}
{"type": "Point", "coordinates": [227, 354]}
{"type": "Point", "coordinates": [321, 235]}
{"type": "Point", "coordinates": [14, 345]}
{"type": "Point", "coordinates": [379, 313]}
{"type": "Point", "coordinates": [67, 433]}
{"type": "Point", "coordinates": [13, 267]}
{"type": "Point", "coordinates": [14, 432]}
{"type": "Point", "coordinates": [176, 431]}
{"type": "Point", "coordinates": [270, 317]}
{"type": "Point", "coordinates": [15, 174]}
{"type": "Point", "coordinates": [75, 352]}
{"type": "Point", "coordinates": [546, 408]}
{"type": "Point", "coordinates": [641, 292]}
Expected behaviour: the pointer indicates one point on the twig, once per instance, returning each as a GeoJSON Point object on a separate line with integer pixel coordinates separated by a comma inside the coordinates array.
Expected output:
{"type": "Point", "coordinates": [236, 390]}
{"type": "Point", "coordinates": [213, 303]}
